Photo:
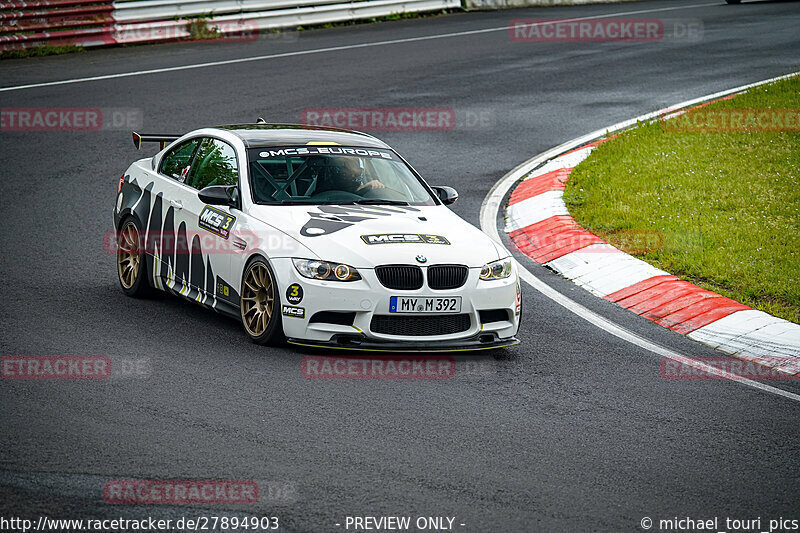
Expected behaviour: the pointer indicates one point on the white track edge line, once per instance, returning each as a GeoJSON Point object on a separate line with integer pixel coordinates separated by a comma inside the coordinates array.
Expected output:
{"type": "Point", "coordinates": [328, 49]}
{"type": "Point", "coordinates": [488, 221]}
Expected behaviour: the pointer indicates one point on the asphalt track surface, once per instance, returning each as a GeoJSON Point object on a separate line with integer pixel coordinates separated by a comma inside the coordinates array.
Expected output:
{"type": "Point", "coordinates": [573, 430]}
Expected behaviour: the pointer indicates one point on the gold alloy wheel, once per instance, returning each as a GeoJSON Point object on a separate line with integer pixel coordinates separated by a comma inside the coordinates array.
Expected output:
{"type": "Point", "coordinates": [128, 257]}
{"type": "Point", "coordinates": [258, 300]}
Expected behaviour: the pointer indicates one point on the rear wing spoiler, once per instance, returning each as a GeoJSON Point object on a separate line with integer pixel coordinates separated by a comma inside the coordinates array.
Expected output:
{"type": "Point", "coordinates": [162, 139]}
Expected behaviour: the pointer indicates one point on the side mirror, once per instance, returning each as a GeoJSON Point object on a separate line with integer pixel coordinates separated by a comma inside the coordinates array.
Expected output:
{"type": "Point", "coordinates": [447, 195]}
{"type": "Point", "coordinates": [219, 195]}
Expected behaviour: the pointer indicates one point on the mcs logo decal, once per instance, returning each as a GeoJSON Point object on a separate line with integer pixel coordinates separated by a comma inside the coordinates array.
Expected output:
{"type": "Point", "coordinates": [216, 221]}
{"type": "Point", "coordinates": [296, 312]}
{"type": "Point", "coordinates": [407, 238]}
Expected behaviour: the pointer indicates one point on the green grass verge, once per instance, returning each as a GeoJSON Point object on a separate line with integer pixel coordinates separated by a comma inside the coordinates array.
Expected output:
{"type": "Point", "coordinates": [36, 51]}
{"type": "Point", "coordinates": [727, 205]}
{"type": "Point", "coordinates": [386, 18]}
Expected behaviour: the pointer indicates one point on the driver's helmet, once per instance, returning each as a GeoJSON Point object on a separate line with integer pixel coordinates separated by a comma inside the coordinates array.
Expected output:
{"type": "Point", "coordinates": [340, 174]}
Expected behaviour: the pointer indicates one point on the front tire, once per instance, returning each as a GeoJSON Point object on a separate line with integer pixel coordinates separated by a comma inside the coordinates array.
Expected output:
{"type": "Point", "coordinates": [260, 303]}
{"type": "Point", "coordinates": [131, 263]}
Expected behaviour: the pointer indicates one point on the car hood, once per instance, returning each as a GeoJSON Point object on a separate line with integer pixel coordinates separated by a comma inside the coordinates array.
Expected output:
{"type": "Point", "coordinates": [366, 236]}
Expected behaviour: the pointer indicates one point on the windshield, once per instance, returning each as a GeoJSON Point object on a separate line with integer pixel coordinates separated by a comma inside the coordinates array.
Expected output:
{"type": "Point", "coordinates": [333, 175]}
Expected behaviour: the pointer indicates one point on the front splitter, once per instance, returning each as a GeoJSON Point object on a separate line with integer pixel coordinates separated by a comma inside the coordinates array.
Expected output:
{"type": "Point", "coordinates": [366, 345]}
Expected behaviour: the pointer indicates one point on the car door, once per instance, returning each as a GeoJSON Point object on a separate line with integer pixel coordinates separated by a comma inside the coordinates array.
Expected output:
{"type": "Point", "coordinates": [168, 223]}
{"type": "Point", "coordinates": [213, 236]}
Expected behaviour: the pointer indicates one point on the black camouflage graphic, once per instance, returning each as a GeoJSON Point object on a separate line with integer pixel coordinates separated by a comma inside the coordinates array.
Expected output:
{"type": "Point", "coordinates": [332, 218]}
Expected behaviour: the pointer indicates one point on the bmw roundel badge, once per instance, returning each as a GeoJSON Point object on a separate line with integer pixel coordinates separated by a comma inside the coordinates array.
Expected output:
{"type": "Point", "coordinates": [422, 259]}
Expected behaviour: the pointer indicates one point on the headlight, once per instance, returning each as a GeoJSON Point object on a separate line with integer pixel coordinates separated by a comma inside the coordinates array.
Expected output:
{"type": "Point", "coordinates": [325, 270]}
{"type": "Point", "coordinates": [496, 269]}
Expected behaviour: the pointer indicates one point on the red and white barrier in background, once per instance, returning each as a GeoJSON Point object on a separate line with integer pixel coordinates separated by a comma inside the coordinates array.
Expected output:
{"type": "Point", "coordinates": [539, 224]}
{"type": "Point", "coordinates": [25, 24]}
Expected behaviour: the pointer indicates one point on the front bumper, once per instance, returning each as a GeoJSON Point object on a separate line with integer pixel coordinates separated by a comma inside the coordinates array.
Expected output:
{"type": "Point", "coordinates": [367, 298]}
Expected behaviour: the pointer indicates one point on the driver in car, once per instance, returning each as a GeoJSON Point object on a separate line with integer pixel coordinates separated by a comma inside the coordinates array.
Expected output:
{"type": "Point", "coordinates": [347, 175]}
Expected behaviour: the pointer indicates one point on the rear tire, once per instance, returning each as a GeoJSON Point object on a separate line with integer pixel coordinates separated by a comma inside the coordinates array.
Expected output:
{"type": "Point", "coordinates": [131, 260]}
{"type": "Point", "coordinates": [260, 303]}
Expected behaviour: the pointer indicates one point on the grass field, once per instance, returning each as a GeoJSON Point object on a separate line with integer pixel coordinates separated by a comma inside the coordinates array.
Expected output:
{"type": "Point", "coordinates": [726, 204]}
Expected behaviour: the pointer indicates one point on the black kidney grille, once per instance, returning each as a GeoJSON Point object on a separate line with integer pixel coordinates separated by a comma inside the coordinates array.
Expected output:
{"type": "Point", "coordinates": [419, 326]}
{"type": "Point", "coordinates": [400, 277]}
{"type": "Point", "coordinates": [441, 277]}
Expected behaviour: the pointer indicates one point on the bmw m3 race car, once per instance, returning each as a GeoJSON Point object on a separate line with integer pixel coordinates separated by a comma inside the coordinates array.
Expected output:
{"type": "Point", "coordinates": [319, 236]}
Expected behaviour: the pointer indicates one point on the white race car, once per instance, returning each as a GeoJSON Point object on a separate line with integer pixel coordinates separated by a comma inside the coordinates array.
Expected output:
{"type": "Point", "coordinates": [319, 236]}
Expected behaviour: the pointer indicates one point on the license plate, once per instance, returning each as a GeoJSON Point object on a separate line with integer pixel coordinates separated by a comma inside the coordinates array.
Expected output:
{"type": "Point", "coordinates": [422, 304]}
